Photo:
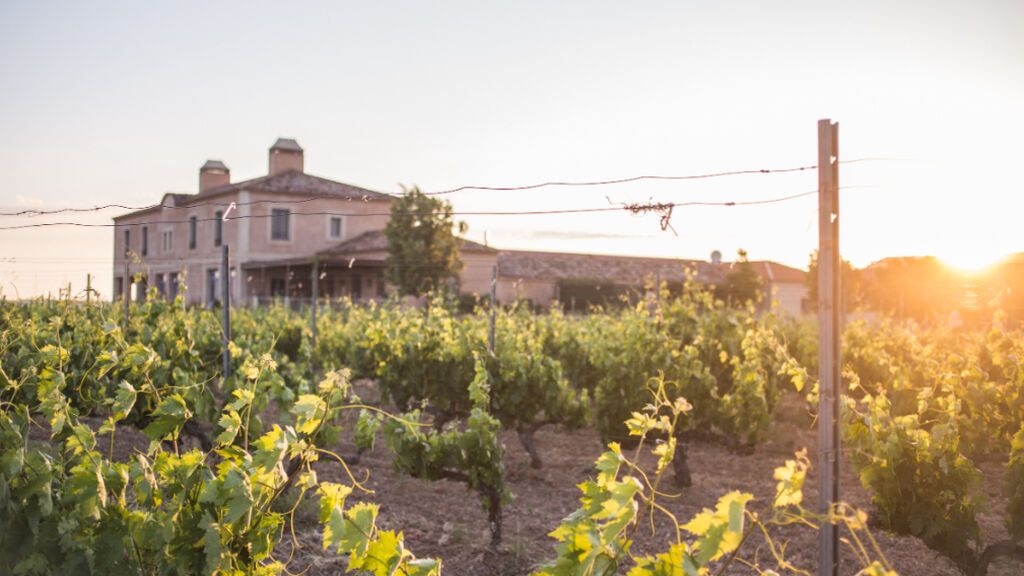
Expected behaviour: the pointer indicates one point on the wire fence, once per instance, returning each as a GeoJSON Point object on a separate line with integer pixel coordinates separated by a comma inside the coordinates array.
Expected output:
{"type": "Point", "coordinates": [144, 264]}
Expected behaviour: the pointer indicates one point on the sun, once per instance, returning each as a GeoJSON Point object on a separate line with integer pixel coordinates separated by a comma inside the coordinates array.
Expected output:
{"type": "Point", "coordinates": [967, 260]}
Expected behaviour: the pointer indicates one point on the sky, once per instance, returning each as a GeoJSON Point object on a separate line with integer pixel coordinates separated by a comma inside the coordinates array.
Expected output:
{"type": "Point", "coordinates": [123, 101]}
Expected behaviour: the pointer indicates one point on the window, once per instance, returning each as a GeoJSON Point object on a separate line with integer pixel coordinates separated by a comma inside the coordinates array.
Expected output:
{"type": "Point", "coordinates": [192, 233]}
{"type": "Point", "coordinates": [335, 227]}
{"type": "Point", "coordinates": [161, 288]}
{"type": "Point", "coordinates": [167, 241]}
{"type": "Point", "coordinates": [145, 240]}
{"type": "Point", "coordinates": [173, 290]}
{"type": "Point", "coordinates": [279, 220]}
{"type": "Point", "coordinates": [357, 287]}
{"type": "Point", "coordinates": [212, 293]}
{"type": "Point", "coordinates": [127, 241]}
{"type": "Point", "coordinates": [277, 287]}
{"type": "Point", "coordinates": [140, 289]}
{"type": "Point", "coordinates": [218, 228]}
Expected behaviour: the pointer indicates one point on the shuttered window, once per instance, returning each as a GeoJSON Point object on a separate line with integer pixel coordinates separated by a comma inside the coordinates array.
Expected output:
{"type": "Point", "coordinates": [279, 220]}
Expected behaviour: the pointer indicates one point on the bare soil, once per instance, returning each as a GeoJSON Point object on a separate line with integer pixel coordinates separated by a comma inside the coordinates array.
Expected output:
{"type": "Point", "coordinates": [445, 520]}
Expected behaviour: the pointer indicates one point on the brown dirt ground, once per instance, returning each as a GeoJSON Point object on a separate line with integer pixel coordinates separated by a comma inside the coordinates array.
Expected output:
{"type": "Point", "coordinates": [444, 520]}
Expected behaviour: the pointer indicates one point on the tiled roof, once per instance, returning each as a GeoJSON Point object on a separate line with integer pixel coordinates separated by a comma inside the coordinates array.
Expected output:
{"type": "Point", "coordinates": [295, 182]}
{"type": "Point", "coordinates": [600, 267]}
{"type": "Point", "coordinates": [214, 165]}
{"type": "Point", "coordinates": [376, 241]}
{"type": "Point", "coordinates": [290, 182]}
{"type": "Point", "coordinates": [286, 144]}
{"type": "Point", "coordinates": [775, 272]}
{"type": "Point", "coordinates": [893, 261]}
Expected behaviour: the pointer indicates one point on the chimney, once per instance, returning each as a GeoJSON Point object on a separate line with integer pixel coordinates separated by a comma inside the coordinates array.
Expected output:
{"type": "Point", "coordinates": [716, 257]}
{"type": "Point", "coordinates": [212, 175]}
{"type": "Point", "coordinates": [285, 154]}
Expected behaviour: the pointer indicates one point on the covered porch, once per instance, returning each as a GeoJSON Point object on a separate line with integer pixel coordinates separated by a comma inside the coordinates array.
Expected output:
{"type": "Point", "coordinates": [295, 282]}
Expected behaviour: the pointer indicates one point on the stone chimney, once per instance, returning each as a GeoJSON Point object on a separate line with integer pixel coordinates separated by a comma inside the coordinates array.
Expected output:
{"type": "Point", "coordinates": [285, 154]}
{"type": "Point", "coordinates": [212, 175]}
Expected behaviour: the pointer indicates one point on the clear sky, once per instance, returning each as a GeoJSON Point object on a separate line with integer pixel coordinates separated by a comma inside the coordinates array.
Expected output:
{"type": "Point", "coordinates": [123, 101]}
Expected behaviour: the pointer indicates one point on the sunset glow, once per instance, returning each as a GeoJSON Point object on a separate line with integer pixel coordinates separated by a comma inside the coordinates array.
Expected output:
{"type": "Point", "coordinates": [970, 263]}
{"type": "Point", "coordinates": [607, 274]}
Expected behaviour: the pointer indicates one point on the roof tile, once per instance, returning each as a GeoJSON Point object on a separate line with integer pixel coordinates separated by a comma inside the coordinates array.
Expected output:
{"type": "Point", "coordinates": [600, 267]}
{"type": "Point", "coordinates": [295, 182]}
{"type": "Point", "coordinates": [375, 241]}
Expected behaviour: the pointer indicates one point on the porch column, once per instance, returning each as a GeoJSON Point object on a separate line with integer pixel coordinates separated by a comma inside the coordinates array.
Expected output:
{"type": "Point", "coordinates": [287, 284]}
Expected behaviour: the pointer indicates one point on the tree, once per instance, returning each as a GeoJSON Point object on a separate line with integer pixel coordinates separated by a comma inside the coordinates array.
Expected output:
{"type": "Point", "coordinates": [742, 284]}
{"type": "Point", "coordinates": [423, 252]}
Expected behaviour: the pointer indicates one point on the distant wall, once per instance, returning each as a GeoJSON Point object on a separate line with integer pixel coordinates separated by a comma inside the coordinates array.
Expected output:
{"type": "Point", "coordinates": [789, 296]}
{"type": "Point", "coordinates": [540, 292]}
{"type": "Point", "coordinates": [475, 277]}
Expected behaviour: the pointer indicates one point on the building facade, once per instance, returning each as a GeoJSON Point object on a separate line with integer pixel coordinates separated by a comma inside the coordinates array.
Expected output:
{"type": "Point", "coordinates": [282, 229]}
{"type": "Point", "coordinates": [293, 235]}
{"type": "Point", "coordinates": [582, 280]}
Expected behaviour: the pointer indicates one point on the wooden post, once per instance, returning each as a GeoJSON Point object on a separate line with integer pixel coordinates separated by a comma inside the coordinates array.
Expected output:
{"type": "Point", "coordinates": [287, 285]}
{"type": "Point", "coordinates": [829, 322]}
{"type": "Point", "coordinates": [226, 306]}
{"type": "Point", "coordinates": [314, 293]}
{"type": "Point", "coordinates": [494, 296]}
{"type": "Point", "coordinates": [263, 289]}
{"type": "Point", "coordinates": [88, 289]}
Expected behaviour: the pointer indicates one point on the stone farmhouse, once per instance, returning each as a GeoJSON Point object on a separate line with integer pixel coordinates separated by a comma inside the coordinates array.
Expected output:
{"type": "Point", "coordinates": [288, 227]}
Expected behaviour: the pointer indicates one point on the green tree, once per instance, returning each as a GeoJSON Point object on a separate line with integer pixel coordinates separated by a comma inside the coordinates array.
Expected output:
{"type": "Point", "coordinates": [742, 284]}
{"type": "Point", "coordinates": [423, 251]}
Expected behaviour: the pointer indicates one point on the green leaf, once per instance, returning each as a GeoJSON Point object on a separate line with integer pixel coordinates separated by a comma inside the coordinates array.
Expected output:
{"type": "Point", "coordinates": [335, 382]}
{"type": "Point", "coordinates": [665, 451]}
{"type": "Point", "coordinates": [124, 401]}
{"type": "Point", "coordinates": [608, 463]}
{"type": "Point", "coordinates": [358, 530]}
{"type": "Point", "coordinates": [383, 554]}
{"type": "Point", "coordinates": [230, 423]}
{"type": "Point", "coordinates": [423, 567]}
{"type": "Point", "coordinates": [168, 417]}
{"type": "Point", "coordinates": [238, 489]}
{"type": "Point", "coordinates": [212, 546]}
{"type": "Point", "coordinates": [790, 477]}
{"type": "Point", "coordinates": [719, 532]}
{"type": "Point", "coordinates": [272, 447]}
{"type": "Point", "coordinates": [366, 430]}
{"type": "Point", "coordinates": [243, 399]}
{"type": "Point", "coordinates": [35, 563]}
{"type": "Point", "coordinates": [309, 412]}
{"type": "Point", "coordinates": [332, 515]}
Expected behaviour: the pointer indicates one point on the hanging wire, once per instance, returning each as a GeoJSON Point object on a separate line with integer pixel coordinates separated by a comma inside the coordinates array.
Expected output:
{"type": "Point", "coordinates": [636, 208]}
{"type": "Point", "coordinates": [382, 196]}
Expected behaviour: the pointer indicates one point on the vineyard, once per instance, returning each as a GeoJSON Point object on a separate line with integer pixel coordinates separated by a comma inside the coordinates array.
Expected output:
{"type": "Point", "coordinates": [634, 440]}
